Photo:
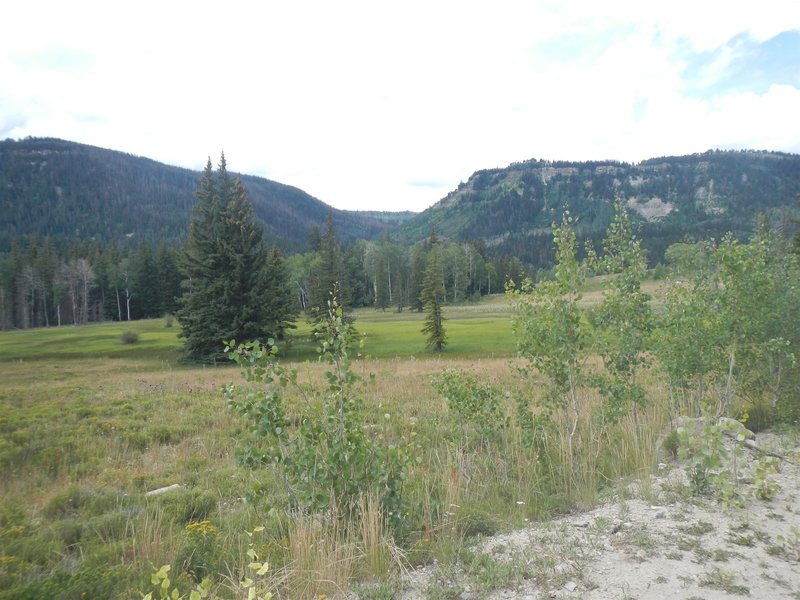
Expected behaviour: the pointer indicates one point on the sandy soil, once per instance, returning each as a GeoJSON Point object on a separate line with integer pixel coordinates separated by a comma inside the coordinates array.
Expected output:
{"type": "Point", "coordinates": [655, 542]}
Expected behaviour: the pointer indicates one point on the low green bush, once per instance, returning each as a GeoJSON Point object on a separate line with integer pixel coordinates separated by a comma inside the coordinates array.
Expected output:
{"type": "Point", "coordinates": [129, 337]}
{"type": "Point", "coordinates": [186, 505]}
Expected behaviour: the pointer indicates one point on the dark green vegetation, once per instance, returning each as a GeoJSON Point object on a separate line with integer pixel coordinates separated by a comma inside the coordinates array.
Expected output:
{"type": "Point", "coordinates": [73, 192]}
{"type": "Point", "coordinates": [702, 195]}
{"type": "Point", "coordinates": [89, 424]}
{"type": "Point", "coordinates": [433, 296]}
{"type": "Point", "coordinates": [79, 204]}
{"type": "Point", "coordinates": [233, 287]}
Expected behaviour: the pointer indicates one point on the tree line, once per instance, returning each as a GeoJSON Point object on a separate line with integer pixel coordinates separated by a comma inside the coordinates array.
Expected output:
{"type": "Point", "coordinates": [44, 284]}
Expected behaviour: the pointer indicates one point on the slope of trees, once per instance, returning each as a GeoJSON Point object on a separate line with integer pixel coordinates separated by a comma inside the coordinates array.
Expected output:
{"type": "Point", "coordinates": [83, 203]}
{"type": "Point", "coordinates": [73, 192]}
{"type": "Point", "coordinates": [702, 195]}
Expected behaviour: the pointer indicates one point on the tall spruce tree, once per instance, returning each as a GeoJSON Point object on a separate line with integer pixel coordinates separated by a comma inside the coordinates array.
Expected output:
{"type": "Point", "coordinates": [279, 308]}
{"type": "Point", "coordinates": [433, 295]}
{"type": "Point", "coordinates": [226, 271]}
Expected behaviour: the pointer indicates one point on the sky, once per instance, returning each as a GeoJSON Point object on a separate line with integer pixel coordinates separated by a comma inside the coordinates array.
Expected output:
{"type": "Point", "coordinates": [376, 105]}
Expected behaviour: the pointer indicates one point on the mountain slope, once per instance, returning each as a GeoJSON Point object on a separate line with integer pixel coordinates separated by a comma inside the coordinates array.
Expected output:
{"type": "Point", "coordinates": [700, 195]}
{"type": "Point", "coordinates": [73, 192]}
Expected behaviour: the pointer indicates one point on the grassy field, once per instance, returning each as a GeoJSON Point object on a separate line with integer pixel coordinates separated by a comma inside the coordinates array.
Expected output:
{"type": "Point", "coordinates": [88, 425]}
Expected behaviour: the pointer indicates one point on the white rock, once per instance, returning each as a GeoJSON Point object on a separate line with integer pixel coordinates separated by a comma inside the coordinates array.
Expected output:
{"type": "Point", "coordinates": [164, 490]}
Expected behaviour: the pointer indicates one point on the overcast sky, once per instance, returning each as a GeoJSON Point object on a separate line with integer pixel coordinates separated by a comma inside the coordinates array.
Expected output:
{"type": "Point", "coordinates": [389, 105]}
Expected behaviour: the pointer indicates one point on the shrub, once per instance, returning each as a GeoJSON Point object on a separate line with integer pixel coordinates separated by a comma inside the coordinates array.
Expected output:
{"type": "Point", "coordinates": [129, 337]}
{"type": "Point", "coordinates": [183, 506]}
{"type": "Point", "coordinates": [329, 459]}
{"type": "Point", "coordinates": [472, 403]}
{"type": "Point", "coordinates": [198, 556]}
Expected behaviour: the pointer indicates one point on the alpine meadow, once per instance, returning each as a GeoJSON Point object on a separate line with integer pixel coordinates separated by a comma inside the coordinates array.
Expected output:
{"type": "Point", "coordinates": [209, 402]}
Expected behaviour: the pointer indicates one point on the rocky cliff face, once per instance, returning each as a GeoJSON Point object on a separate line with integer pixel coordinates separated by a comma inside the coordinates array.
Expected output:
{"type": "Point", "coordinates": [701, 195]}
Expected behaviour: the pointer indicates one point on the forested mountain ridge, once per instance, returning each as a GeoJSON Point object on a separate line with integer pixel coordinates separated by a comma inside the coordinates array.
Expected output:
{"type": "Point", "coordinates": [73, 192]}
{"type": "Point", "coordinates": [700, 195]}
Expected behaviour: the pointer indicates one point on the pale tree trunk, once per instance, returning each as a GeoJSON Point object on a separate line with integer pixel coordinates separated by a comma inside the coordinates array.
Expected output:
{"type": "Point", "coordinates": [728, 396]}
{"type": "Point", "coordinates": [86, 278]}
{"type": "Point", "coordinates": [43, 294]}
{"type": "Point", "coordinates": [389, 272]}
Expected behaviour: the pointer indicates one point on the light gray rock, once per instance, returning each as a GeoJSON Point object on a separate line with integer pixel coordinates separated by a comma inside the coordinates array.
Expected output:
{"type": "Point", "coordinates": [164, 490]}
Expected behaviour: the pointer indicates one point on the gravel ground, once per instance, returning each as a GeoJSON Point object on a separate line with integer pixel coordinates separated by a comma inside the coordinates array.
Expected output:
{"type": "Point", "coordinates": [662, 544]}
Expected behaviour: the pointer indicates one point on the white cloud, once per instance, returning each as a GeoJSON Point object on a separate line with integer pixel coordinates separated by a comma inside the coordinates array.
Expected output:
{"type": "Point", "coordinates": [355, 101]}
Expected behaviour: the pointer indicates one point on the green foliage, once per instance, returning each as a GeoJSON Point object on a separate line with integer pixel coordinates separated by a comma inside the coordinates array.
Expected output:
{"type": "Point", "coordinates": [432, 298]}
{"type": "Point", "coordinates": [328, 276]}
{"type": "Point", "coordinates": [623, 321]}
{"type": "Point", "coordinates": [730, 329]}
{"type": "Point", "coordinates": [122, 198]}
{"type": "Point", "coordinates": [710, 465]}
{"type": "Point", "coordinates": [686, 341]}
{"type": "Point", "coordinates": [328, 459]}
{"type": "Point", "coordinates": [765, 486]}
{"type": "Point", "coordinates": [186, 505]}
{"type": "Point", "coordinates": [198, 556]}
{"type": "Point", "coordinates": [473, 403]}
{"type": "Point", "coordinates": [551, 333]}
{"type": "Point", "coordinates": [706, 195]}
{"type": "Point", "coordinates": [787, 545]}
{"type": "Point", "coordinates": [129, 337]}
{"type": "Point", "coordinates": [163, 589]}
{"type": "Point", "coordinates": [228, 272]}
{"type": "Point", "coordinates": [255, 588]}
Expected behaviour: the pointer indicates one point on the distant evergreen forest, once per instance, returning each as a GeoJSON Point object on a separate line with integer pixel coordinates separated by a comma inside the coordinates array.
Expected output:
{"type": "Point", "coordinates": [88, 234]}
{"type": "Point", "coordinates": [73, 192]}
{"type": "Point", "coordinates": [44, 284]}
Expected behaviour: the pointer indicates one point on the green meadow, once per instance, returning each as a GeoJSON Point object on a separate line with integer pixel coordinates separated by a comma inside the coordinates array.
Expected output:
{"type": "Point", "coordinates": [473, 330]}
{"type": "Point", "coordinates": [89, 425]}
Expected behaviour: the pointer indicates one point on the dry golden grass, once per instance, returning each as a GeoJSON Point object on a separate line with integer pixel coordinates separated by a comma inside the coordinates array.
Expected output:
{"type": "Point", "coordinates": [125, 428]}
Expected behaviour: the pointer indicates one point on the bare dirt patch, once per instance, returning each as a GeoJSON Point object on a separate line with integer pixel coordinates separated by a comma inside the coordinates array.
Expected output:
{"type": "Point", "coordinates": [653, 541]}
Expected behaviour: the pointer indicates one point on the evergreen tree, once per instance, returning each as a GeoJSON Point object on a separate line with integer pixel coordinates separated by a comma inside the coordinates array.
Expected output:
{"type": "Point", "coordinates": [147, 302]}
{"type": "Point", "coordinates": [417, 277]}
{"type": "Point", "coordinates": [314, 239]}
{"type": "Point", "coordinates": [224, 266]}
{"type": "Point", "coordinates": [45, 267]}
{"type": "Point", "coordinates": [279, 306]}
{"type": "Point", "coordinates": [796, 238]}
{"type": "Point", "coordinates": [169, 279]}
{"type": "Point", "coordinates": [433, 293]}
{"type": "Point", "coordinates": [328, 272]}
